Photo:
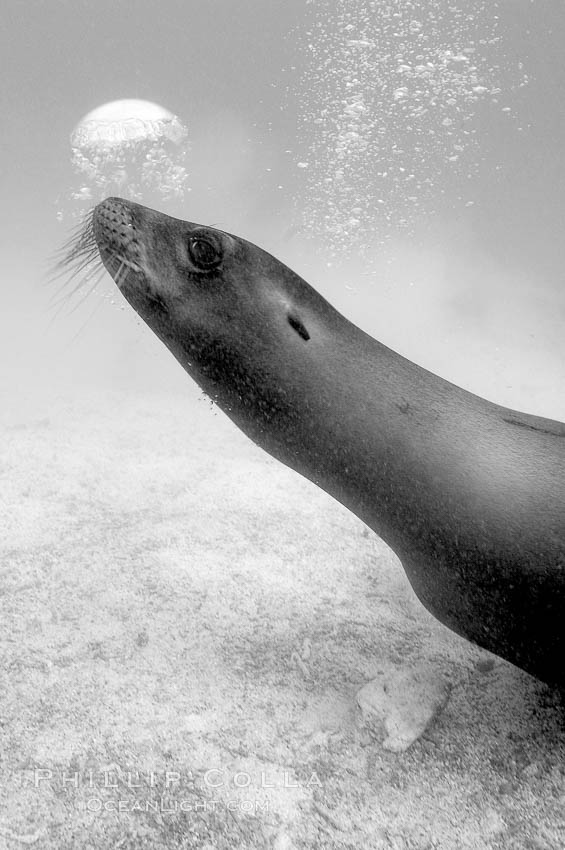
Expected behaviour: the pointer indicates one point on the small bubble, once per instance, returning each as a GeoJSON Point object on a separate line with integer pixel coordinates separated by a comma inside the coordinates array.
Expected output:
{"type": "Point", "coordinates": [389, 101]}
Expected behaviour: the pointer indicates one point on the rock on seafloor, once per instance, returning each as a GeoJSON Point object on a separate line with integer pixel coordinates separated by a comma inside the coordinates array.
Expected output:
{"type": "Point", "coordinates": [399, 704]}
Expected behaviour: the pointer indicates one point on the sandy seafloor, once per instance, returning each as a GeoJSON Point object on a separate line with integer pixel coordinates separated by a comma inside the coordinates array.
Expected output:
{"type": "Point", "coordinates": [172, 599]}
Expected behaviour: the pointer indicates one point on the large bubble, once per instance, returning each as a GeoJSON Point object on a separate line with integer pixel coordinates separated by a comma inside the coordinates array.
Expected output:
{"type": "Point", "coordinates": [133, 148]}
{"type": "Point", "coordinates": [390, 111]}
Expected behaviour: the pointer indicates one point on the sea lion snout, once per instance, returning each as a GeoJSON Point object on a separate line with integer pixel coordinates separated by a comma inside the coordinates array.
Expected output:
{"type": "Point", "coordinates": [115, 233]}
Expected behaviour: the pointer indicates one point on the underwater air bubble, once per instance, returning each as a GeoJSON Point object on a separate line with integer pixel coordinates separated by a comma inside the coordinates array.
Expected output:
{"type": "Point", "coordinates": [130, 148]}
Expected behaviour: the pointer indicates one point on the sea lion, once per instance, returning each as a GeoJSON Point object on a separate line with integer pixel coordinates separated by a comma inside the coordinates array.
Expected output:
{"type": "Point", "coordinates": [470, 495]}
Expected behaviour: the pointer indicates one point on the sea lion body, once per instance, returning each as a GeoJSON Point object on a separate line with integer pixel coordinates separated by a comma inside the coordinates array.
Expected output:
{"type": "Point", "coordinates": [470, 495]}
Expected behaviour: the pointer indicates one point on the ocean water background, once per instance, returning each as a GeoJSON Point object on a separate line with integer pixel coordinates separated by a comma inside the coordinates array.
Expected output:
{"type": "Point", "coordinates": [473, 292]}
{"type": "Point", "coordinates": [172, 598]}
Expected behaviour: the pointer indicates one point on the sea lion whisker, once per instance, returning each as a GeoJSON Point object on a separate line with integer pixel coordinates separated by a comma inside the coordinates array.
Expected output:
{"type": "Point", "coordinates": [86, 296]}
{"type": "Point", "coordinates": [78, 269]}
{"type": "Point", "coordinates": [80, 247]}
{"type": "Point", "coordinates": [75, 263]}
{"type": "Point", "coordinates": [86, 321]}
{"type": "Point", "coordinates": [61, 294]}
{"type": "Point", "coordinates": [66, 298]}
{"type": "Point", "coordinates": [64, 272]}
{"type": "Point", "coordinates": [62, 297]}
{"type": "Point", "coordinates": [122, 272]}
{"type": "Point", "coordinates": [126, 266]}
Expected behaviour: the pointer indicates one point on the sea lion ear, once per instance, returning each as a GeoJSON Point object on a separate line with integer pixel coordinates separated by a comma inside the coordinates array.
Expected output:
{"type": "Point", "coordinates": [297, 325]}
{"type": "Point", "coordinates": [205, 250]}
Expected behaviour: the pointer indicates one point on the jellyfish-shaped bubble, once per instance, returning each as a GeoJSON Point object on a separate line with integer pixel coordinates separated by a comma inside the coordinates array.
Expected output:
{"type": "Point", "coordinates": [133, 148]}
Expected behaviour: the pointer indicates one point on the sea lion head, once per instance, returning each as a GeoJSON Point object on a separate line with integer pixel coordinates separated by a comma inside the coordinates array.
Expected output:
{"type": "Point", "coordinates": [240, 322]}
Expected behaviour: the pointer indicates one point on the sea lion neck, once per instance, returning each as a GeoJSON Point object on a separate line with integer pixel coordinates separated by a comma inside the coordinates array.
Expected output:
{"type": "Point", "coordinates": [228, 324]}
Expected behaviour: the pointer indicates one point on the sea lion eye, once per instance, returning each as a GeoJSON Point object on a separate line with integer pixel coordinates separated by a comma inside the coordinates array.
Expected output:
{"type": "Point", "coordinates": [204, 253]}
